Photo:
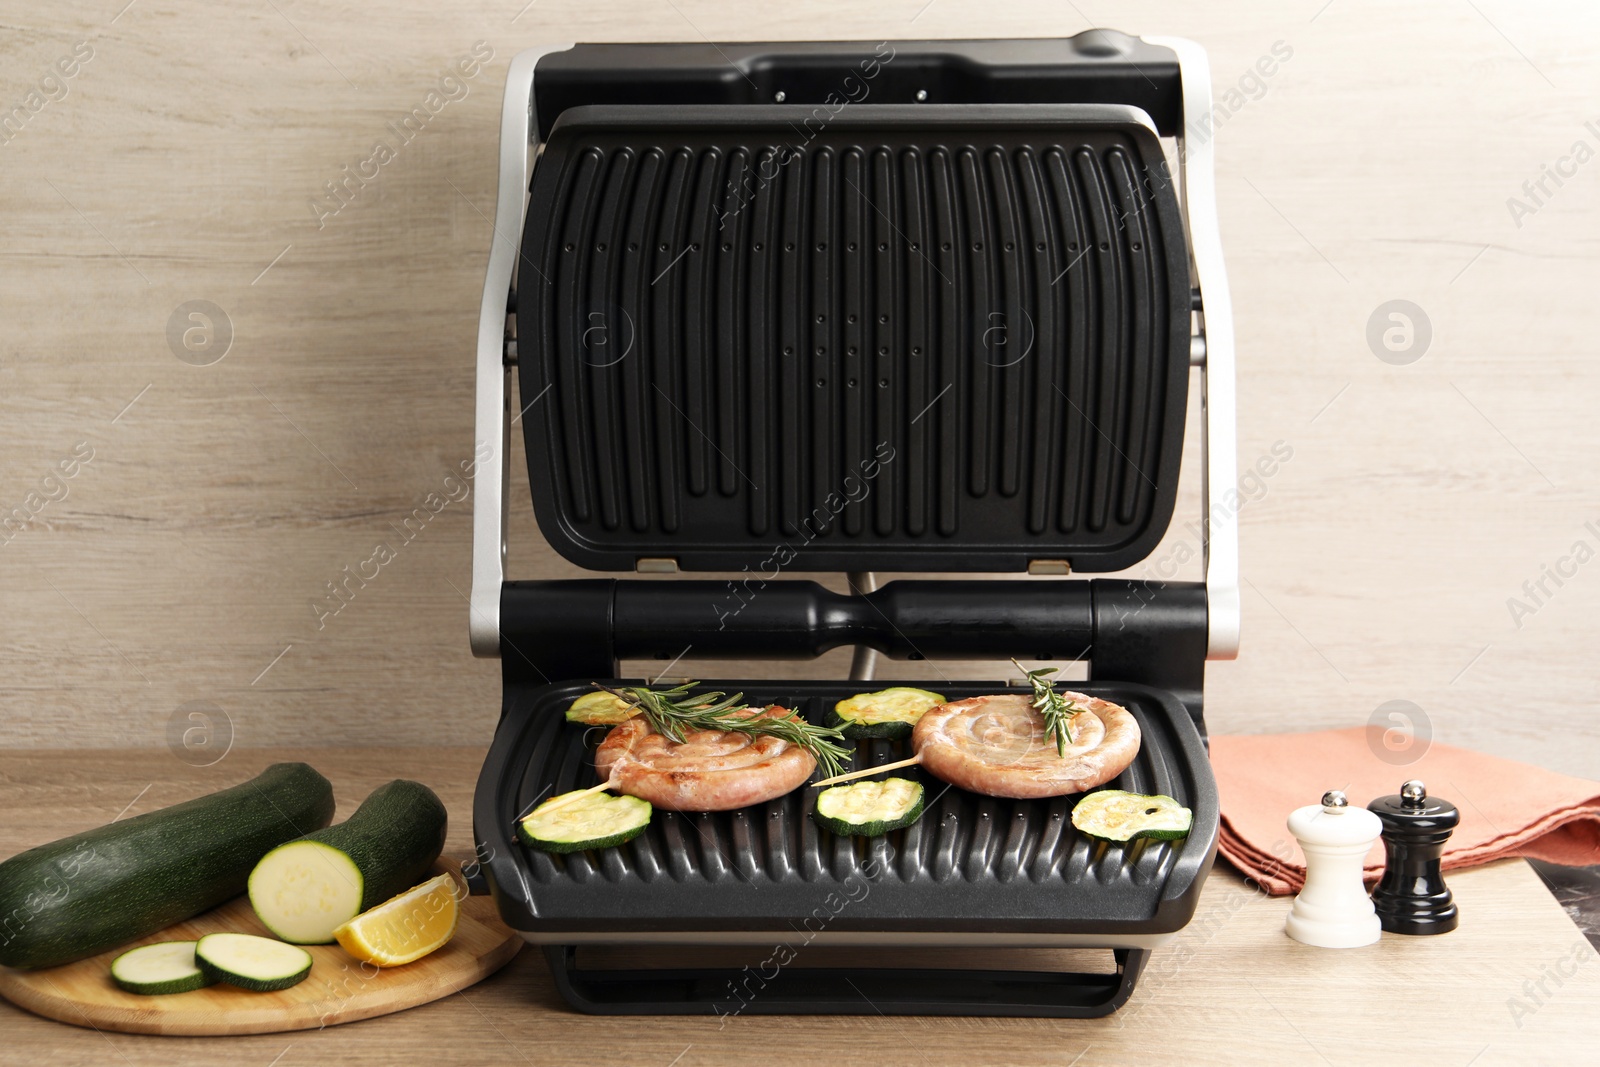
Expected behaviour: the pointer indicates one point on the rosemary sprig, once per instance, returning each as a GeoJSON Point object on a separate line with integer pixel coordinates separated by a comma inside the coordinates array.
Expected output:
{"type": "Point", "coordinates": [1056, 709]}
{"type": "Point", "coordinates": [670, 712]}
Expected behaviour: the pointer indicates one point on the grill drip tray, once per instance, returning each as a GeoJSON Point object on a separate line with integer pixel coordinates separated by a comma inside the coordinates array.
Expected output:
{"type": "Point", "coordinates": [974, 872]}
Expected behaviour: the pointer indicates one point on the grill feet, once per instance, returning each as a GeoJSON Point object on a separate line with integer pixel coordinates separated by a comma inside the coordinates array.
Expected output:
{"type": "Point", "coordinates": [844, 991]}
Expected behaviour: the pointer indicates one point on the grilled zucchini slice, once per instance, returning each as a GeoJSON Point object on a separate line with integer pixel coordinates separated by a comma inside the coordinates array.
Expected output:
{"type": "Point", "coordinates": [888, 713]}
{"type": "Point", "coordinates": [1115, 815]}
{"type": "Point", "coordinates": [600, 709]}
{"type": "Point", "coordinates": [599, 820]}
{"type": "Point", "coordinates": [869, 809]}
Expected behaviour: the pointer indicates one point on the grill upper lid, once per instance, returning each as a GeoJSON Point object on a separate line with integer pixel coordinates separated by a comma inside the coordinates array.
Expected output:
{"type": "Point", "coordinates": [888, 338]}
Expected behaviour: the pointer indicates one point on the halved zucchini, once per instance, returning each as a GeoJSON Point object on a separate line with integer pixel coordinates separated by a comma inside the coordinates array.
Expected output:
{"type": "Point", "coordinates": [598, 820]}
{"type": "Point", "coordinates": [600, 709]}
{"type": "Point", "coordinates": [302, 890]}
{"type": "Point", "coordinates": [869, 809]}
{"type": "Point", "coordinates": [888, 713]}
{"type": "Point", "coordinates": [164, 967]}
{"type": "Point", "coordinates": [1115, 815]}
{"type": "Point", "coordinates": [258, 964]}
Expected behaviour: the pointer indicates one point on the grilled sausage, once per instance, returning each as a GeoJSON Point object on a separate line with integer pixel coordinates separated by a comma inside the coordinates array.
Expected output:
{"type": "Point", "coordinates": [711, 770]}
{"type": "Point", "coordinates": [996, 745]}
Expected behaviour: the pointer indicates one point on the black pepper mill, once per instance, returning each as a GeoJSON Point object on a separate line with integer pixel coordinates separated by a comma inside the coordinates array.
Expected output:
{"type": "Point", "coordinates": [1412, 898]}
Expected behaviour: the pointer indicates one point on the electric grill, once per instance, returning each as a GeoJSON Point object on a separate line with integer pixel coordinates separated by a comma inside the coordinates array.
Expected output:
{"type": "Point", "coordinates": [909, 306]}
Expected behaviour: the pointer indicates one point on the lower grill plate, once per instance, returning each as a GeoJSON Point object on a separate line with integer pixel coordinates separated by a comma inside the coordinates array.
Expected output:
{"type": "Point", "coordinates": [972, 866]}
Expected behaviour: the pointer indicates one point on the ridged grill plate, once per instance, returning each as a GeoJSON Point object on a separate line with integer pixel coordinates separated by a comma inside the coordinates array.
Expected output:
{"type": "Point", "coordinates": [949, 338]}
{"type": "Point", "coordinates": [971, 864]}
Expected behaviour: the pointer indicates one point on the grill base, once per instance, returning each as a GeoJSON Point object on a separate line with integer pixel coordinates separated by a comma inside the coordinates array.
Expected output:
{"type": "Point", "coordinates": [854, 939]}
{"type": "Point", "coordinates": [845, 991]}
{"type": "Point", "coordinates": [974, 877]}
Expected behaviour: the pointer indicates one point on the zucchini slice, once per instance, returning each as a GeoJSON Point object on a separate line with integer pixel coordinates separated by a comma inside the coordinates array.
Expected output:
{"type": "Point", "coordinates": [1115, 815]}
{"type": "Point", "coordinates": [164, 967]}
{"type": "Point", "coordinates": [599, 820]}
{"type": "Point", "coordinates": [869, 809]}
{"type": "Point", "coordinates": [258, 964]}
{"type": "Point", "coordinates": [600, 709]}
{"type": "Point", "coordinates": [888, 713]}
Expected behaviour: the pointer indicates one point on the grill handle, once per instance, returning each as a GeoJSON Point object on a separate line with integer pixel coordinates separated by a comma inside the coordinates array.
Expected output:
{"type": "Point", "coordinates": [1094, 67]}
{"type": "Point", "coordinates": [1152, 633]}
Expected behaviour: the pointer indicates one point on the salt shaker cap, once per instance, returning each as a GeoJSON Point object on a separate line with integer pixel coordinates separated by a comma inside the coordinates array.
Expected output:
{"type": "Point", "coordinates": [1334, 822]}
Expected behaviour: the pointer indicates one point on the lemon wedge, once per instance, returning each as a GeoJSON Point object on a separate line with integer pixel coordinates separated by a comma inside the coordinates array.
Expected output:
{"type": "Point", "coordinates": [406, 927]}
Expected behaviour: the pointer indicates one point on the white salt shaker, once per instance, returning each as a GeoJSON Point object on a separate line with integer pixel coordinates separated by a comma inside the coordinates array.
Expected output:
{"type": "Point", "coordinates": [1334, 910]}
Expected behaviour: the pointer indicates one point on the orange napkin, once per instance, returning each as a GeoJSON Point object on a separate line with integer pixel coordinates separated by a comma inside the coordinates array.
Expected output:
{"type": "Point", "coordinates": [1507, 808]}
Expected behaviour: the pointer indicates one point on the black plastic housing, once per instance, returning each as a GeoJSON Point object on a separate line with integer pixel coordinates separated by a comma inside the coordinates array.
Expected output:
{"type": "Point", "coordinates": [1095, 67]}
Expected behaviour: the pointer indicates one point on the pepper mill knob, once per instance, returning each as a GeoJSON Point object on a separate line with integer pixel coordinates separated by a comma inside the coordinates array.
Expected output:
{"type": "Point", "coordinates": [1412, 898]}
{"type": "Point", "coordinates": [1333, 909]}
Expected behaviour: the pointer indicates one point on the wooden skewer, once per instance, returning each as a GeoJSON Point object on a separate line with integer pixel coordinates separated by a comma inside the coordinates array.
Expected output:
{"type": "Point", "coordinates": [566, 798]}
{"type": "Point", "coordinates": [912, 762]}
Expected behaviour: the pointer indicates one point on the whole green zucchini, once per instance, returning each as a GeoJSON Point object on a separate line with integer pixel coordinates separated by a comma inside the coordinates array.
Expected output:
{"type": "Point", "coordinates": [102, 888]}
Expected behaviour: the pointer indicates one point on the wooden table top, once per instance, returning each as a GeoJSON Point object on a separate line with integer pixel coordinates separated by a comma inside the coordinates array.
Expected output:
{"type": "Point", "coordinates": [1516, 984]}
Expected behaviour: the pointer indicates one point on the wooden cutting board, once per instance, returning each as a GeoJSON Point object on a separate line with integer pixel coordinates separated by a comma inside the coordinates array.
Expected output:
{"type": "Point", "coordinates": [338, 990]}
